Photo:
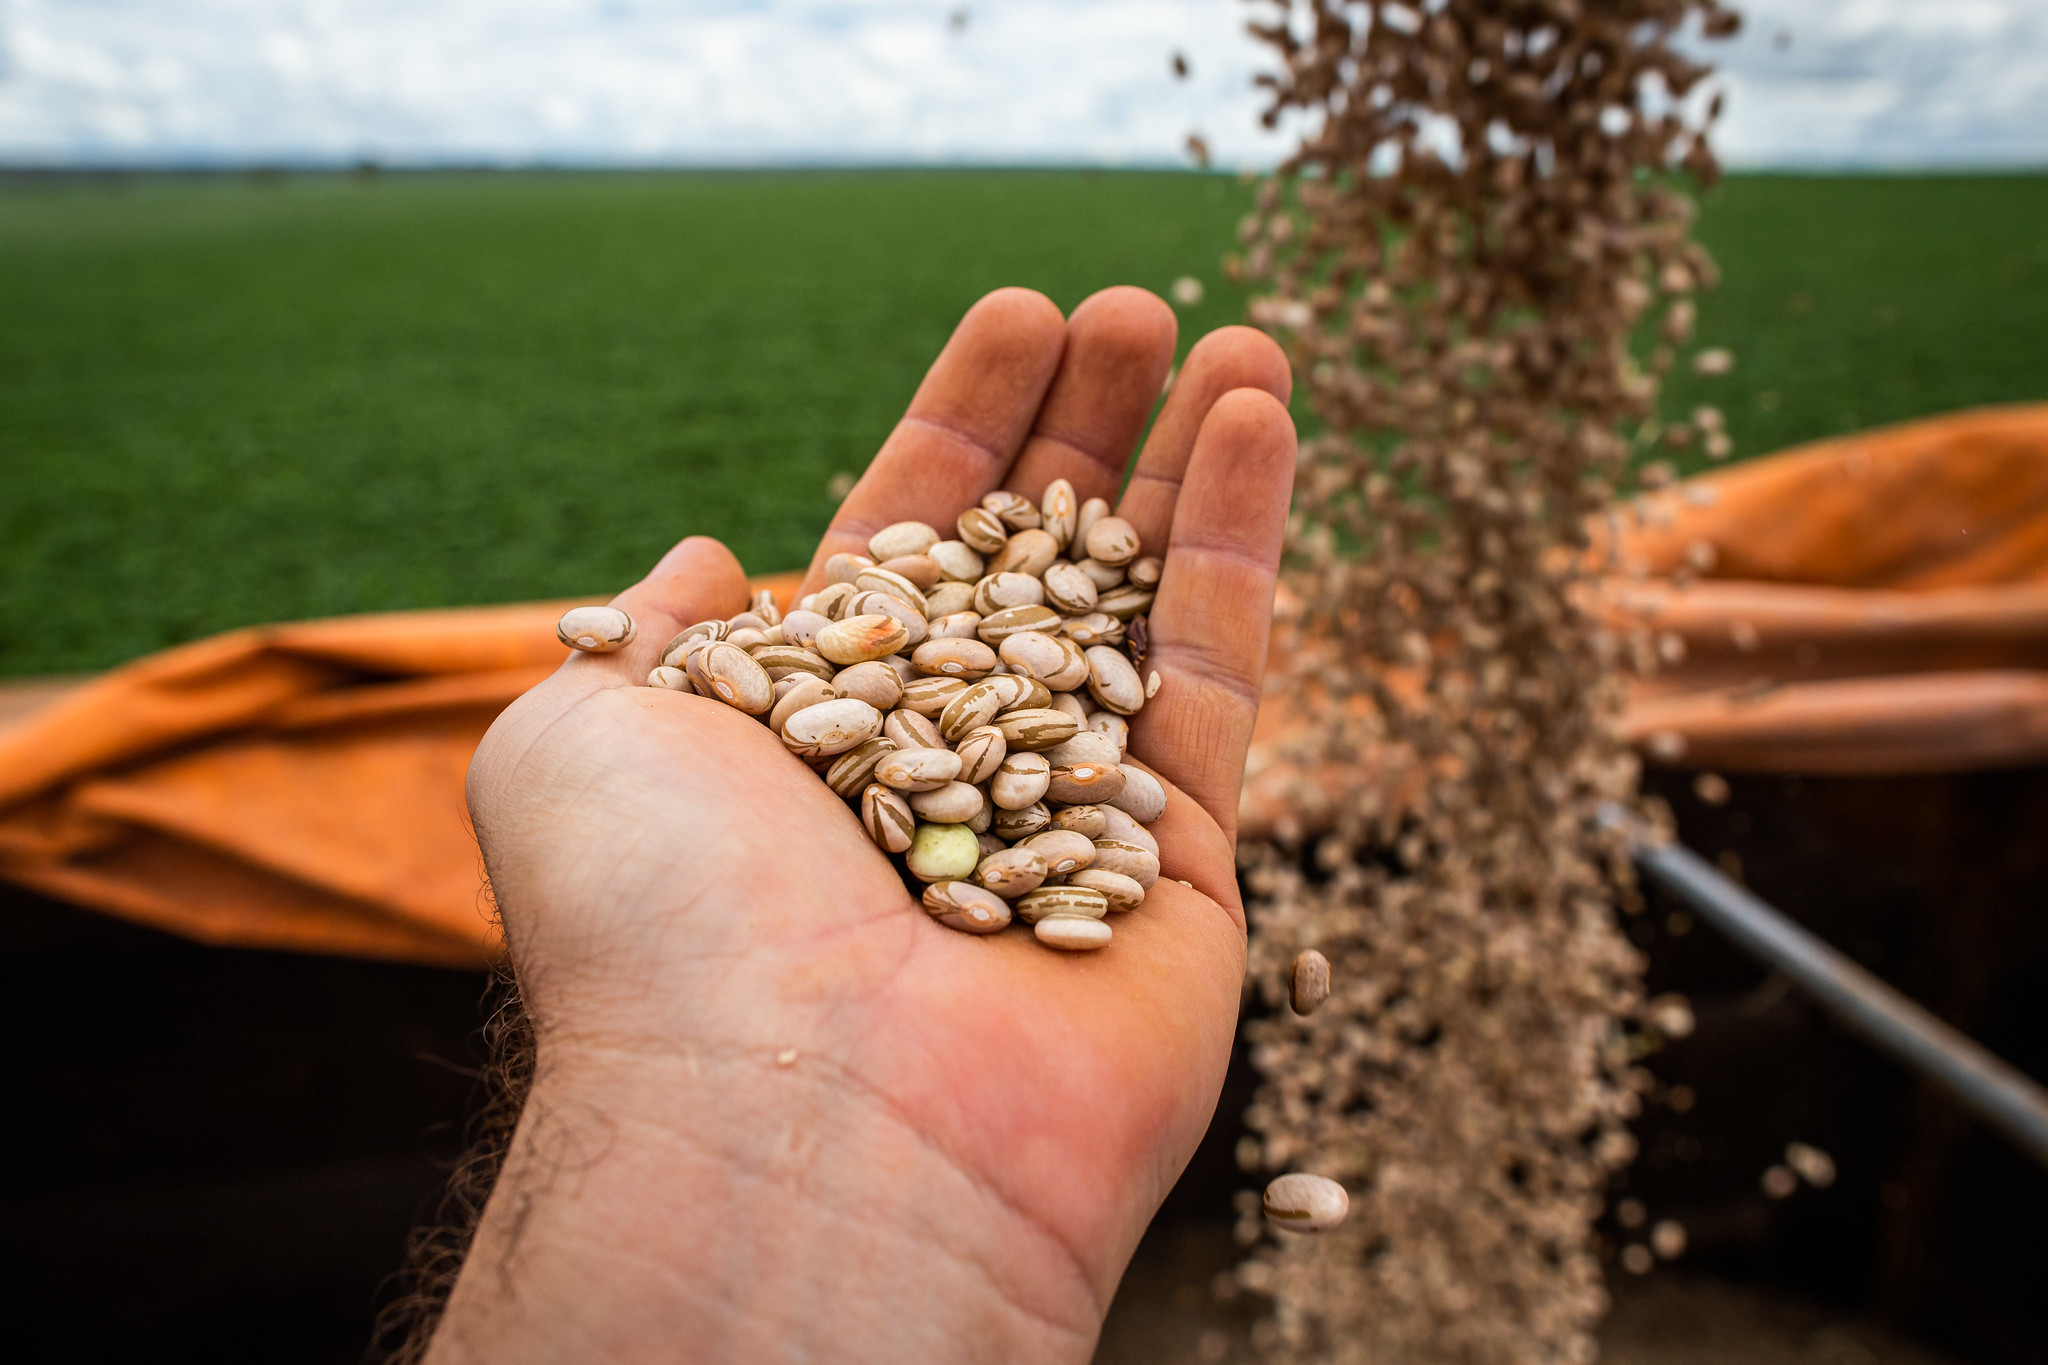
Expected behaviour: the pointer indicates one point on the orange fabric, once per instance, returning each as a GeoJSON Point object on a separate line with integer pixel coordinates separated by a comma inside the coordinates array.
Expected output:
{"type": "Point", "coordinates": [1872, 604]}
{"type": "Point", "coordinates": [1877, 603]}
{"type": "Point", "coordinates": [1954, 501]}
{"type": "Point", "coordinates": [294, 786]}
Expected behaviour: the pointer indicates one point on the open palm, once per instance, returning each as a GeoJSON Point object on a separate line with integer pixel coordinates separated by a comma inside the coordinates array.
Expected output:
{"type": "Point", "coordinates": [685, 900]}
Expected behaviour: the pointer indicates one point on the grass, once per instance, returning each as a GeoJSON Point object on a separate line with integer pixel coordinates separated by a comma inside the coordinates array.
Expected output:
{"type": "Point", "coordinates": [235, 399]}
{"type": "Point", "coordinates": [1853, 302]}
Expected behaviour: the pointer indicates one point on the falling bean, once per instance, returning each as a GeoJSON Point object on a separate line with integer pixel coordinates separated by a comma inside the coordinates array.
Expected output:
{"type": "Point", "coordinates": [1308, 982]}
{"type": "Point", "coordinates": [1306, 1203]}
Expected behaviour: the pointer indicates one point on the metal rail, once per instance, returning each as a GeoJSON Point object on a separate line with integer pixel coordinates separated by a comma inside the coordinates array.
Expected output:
{"type": "Point", "coordinates": [2003, 1097]}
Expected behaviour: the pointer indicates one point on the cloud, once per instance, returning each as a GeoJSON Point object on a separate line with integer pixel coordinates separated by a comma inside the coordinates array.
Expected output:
{"type": "Point", "coordinates": [753, 81]}
{"type": "Point", "coordinates": [1887, 83]}
{"type": "Point", "coordinates": [615, 80]}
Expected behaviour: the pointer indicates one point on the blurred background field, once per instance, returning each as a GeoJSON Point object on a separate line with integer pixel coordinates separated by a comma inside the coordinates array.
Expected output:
{"type": "Point", "coordinates": [227, 399]}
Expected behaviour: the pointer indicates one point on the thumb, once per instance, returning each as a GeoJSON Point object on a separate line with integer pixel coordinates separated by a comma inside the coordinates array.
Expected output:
{"type": "Point", "coordinates": [697, 580]}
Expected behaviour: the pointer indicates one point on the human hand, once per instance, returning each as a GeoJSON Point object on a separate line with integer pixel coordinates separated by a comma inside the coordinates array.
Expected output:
{"type": "Point", "coordinates": [781, 1113]}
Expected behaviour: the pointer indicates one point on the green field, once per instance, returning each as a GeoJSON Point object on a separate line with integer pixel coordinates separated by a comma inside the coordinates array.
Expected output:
{"type": "Point", "coordinates": [232, 399]}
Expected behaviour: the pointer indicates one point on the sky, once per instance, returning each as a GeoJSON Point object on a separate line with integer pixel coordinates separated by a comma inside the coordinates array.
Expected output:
{"type": "Point", "coordinates": [1810, 83]}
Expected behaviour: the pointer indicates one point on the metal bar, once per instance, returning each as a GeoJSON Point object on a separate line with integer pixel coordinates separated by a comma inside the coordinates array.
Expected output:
{"type": "Point", "coordinates": [2004, 1098]}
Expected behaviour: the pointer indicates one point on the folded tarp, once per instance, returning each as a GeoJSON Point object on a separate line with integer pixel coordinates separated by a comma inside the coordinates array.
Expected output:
{"type": "Point", "coordinates": [1874, 604]}
{"type": "Point", "coordinates": [295, 786]}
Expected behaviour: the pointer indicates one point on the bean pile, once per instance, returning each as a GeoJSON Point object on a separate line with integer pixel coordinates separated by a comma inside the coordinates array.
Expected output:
{"type": "Point", "coordinates": [970, 697]}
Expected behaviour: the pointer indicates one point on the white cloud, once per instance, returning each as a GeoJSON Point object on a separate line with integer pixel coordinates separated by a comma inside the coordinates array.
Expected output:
{"type": "Point", "coordinates": [616, 79]}
{"type": "Point", "coordinates": [744, 81]}
{"type": "Point", "coordinates": [1887, 83]}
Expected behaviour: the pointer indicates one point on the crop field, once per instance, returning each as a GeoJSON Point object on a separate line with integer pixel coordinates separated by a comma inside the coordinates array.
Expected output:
{"type": "Point", "coordinates": [237, 398]}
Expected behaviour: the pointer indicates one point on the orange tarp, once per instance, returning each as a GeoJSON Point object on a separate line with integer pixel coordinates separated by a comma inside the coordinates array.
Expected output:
{"type": "Point", "coordinates": [294, 786]}
{"type": "Point", "coordinates": [1872, 604]}
{"type": "Point", "coordinates": [1876, 603]}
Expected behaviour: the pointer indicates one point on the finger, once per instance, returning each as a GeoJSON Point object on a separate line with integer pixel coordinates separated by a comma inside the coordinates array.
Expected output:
{"type": "Point", "coordinates": [963, 428]}
{"type": "Point", "coordinates": [1214, 609]}
{"type": "Point", "coordinates": [1119, 347]}
{"type": "Point", "coordinates": [1226, 359]}
{"type": "Point", "coordinates": [697, 580]}
{"type": "Point", "coordinates": [1193, 851]}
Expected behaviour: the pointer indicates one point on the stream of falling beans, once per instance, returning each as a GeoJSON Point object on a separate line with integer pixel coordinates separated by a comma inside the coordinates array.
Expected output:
{"type": "Point", "coordinates": [1480, 260]}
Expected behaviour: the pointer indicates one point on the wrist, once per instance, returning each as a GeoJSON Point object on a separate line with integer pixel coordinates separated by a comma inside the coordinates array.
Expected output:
{"type": "Point", "coordinates": [749, 1207]}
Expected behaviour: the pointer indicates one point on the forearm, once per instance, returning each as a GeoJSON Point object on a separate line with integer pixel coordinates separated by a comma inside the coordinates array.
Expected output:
{"type": "Point", "coordinates": [742, 1208]}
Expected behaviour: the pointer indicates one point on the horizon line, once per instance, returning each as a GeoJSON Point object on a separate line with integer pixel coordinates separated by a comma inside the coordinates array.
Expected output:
{"type": "Point", "coordinates": [311, 164]}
